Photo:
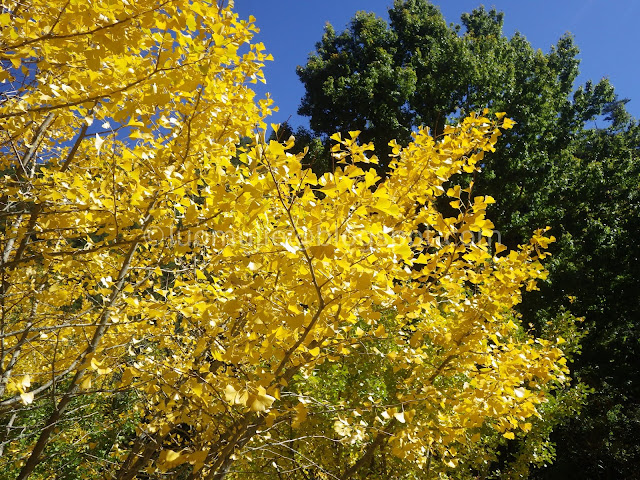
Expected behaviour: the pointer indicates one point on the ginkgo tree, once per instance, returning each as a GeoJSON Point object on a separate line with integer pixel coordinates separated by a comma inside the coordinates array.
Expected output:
{"type": "Point", "coordinates": [167, 298]}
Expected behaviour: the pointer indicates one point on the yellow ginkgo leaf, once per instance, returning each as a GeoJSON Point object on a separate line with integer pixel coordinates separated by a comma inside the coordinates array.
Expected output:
{"type": "Point", "coordinates": [98, 142]}
{"type": "Point", "coordinates": [27, 397]}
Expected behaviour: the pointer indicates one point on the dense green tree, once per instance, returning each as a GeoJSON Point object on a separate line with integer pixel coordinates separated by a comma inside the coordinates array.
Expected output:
{"type": "Point", "coordinates": [596, 216]}
{"type": "Point", "coordinates": [571, 162]}
{"type": "Point", "coordinates": [417, 70]}
{"type": "Point", "coordinates": [357, 71]}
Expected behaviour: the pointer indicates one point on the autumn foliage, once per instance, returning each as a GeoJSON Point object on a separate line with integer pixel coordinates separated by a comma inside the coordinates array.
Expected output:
{"type": "Point", "coordinates": [148, 260]}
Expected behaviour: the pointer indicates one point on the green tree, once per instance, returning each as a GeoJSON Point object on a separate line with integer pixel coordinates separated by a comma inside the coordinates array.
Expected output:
{"type": "Point", "coordinates": [435, 74]}
{"type": "Point", "coordinates": [356, 70]}
{"type": "Point", "coordinates": [596, 268]}
{"type": "Point", "coordinates": [556, 167]}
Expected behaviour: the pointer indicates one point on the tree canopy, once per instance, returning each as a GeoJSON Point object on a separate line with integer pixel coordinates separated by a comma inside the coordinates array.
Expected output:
{"type": "Point", "coordinates": [388, 78]}
{"type": "Point", "coordinates": [170, 300]}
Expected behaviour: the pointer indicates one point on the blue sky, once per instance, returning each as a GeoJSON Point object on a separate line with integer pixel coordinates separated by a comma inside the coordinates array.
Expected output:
{"type": "Point", "coordinates": [607, 32]}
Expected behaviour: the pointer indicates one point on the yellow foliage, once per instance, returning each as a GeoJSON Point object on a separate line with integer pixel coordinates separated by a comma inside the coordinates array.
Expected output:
{"type": "Point", "coordinates": [143, 250]}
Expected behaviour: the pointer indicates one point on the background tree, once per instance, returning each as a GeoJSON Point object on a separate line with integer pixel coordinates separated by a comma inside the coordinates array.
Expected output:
{"type": "Point", "coordinates": [596, 269]}
{"type": "Point", "coordinates": [556, 167]}
{"type": "Point", "coordinates": [356, 68]}
{"type": "Point", "coordinates": [447, 75]}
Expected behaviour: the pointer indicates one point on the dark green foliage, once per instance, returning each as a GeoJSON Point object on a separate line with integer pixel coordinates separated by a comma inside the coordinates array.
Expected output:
{"type": "Point", "coordinates": [597, 217]}
{"type": "Point", "coordinates": [356, 71]}
{"type": "Point", "coordinates": [387, 78]}
{"type": "Point", "coordinates": [570, 162]}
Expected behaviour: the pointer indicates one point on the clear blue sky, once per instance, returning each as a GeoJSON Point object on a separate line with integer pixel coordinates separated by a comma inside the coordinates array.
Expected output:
{"type": "Point", "coordinates": [607, 33]}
